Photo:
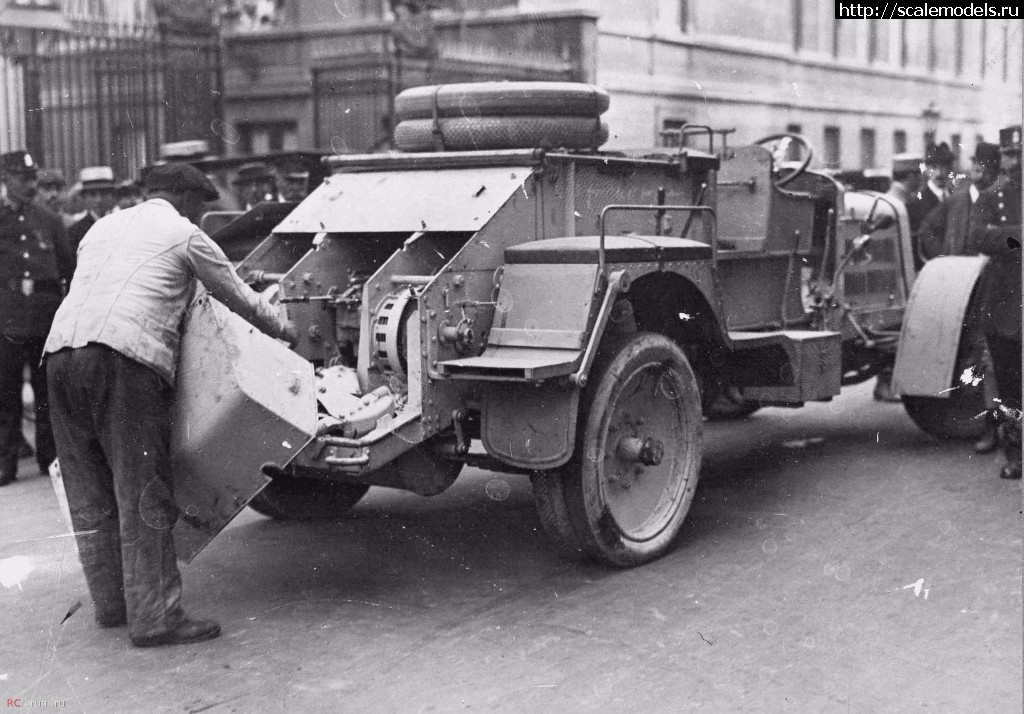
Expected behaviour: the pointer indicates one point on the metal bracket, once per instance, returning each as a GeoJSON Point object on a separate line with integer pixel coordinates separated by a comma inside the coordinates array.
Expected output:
{"type": "Point", "coordinates": [657, 208]}
{"type": "Point", "coordinates": [750, 184]}
{"type": "Point", "coordinates": [617, 283]}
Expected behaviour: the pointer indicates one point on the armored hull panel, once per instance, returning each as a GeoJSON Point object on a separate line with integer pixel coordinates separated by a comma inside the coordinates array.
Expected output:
{"type": "Point", "coordinates": [242, 400]}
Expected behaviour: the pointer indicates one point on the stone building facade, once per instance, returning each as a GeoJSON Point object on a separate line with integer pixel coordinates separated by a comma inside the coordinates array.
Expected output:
{"type": "Point", "coordinates": [861, 91]}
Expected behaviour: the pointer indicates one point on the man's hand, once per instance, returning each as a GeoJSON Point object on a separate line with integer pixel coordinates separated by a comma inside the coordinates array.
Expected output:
{"type": "Point", "coordinates": [290, 333]}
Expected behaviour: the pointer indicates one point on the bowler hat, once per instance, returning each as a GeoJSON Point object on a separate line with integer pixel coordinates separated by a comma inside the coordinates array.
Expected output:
{"type": "Point", "coordinates": [986, 154]}
{"type": "Point", "coordinates": [939, 155]}
{"type": "Point", "coordinates": [253, 172]}
{"type": "Point", "coordinates": [1009, 139]}
{"type": "Point", "coordinates": [176, 177]}
{"type": "Point", "coordinates": [51, 177]}
{"type": "Point", "coordinates": [18, 162]}
{"type": "Point", "coordinates": [96, 178]}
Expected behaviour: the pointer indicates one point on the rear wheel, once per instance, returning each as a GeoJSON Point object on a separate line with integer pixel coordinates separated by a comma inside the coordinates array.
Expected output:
{"type": "Point", "coordinates": [624, 495]}
{"type": "Point", "coordinates": [290, 498]}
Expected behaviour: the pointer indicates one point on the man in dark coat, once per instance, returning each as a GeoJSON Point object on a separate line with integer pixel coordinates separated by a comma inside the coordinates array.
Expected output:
{"type": "Point", "coordinates": [99, 193]}
{"type": "Point", "coordinates": [944, 231]}
{"type": "Point", "coordinates": [35, 262]}
{"type": "Point", "coordinates": [996, 232]}
{"type": "Point", "coordinates": [938, 166]}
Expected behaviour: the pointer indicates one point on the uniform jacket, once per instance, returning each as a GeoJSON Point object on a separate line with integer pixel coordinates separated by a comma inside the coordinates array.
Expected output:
{"type": "Point", "coordinates": [137, 272]}
{"type": "Point", "coordinates": [996, 232]}
{"type": "Point", "coordinates": [35, 263]}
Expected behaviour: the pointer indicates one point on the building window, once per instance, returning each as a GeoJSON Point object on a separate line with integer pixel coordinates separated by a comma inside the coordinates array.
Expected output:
{"type": "Point", "coordinates": [867, 148]}
{"type": "Point", "coordinates": [958, 41]}
{"type": "Point", "coordinates": [904, 48]}
{"type": "Point", "coordinates": [798, 25]}
{"type": "Point", "coordinates": [899, 142]}
{"type": "Point", "coordinates": [956, 144]}
{"type": "Point", "coordinates": [1006, 53]}
{"type": "Point", "coordinates": [932, 53]}
{"type": "Point", "coordinates": [844, 39]}
{"type": "Point", "coordinates": [671, 133]}
{"type": "Point", "coordinates": [984, 48]}
{"type": "Point", "coordinates": [684, 15]}
{"type": "Point", "coordinates": [833, 154]}
{"type": "Point", "coordinates": [264, 137]}
{"type": "Point", "coordinates": [792, 148]}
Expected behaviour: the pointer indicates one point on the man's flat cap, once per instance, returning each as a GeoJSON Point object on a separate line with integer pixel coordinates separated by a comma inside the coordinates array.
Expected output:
{"type": "Point", "coordinates": [177, 177]}
{"type": "Point", "coordinates": [18, 162]}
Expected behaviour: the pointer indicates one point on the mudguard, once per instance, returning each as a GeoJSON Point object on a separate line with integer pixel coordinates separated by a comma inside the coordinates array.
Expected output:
{"type": "Point", "coordinates": [932, 325]}
{"type": "Point", "coordinates": [529, 426]}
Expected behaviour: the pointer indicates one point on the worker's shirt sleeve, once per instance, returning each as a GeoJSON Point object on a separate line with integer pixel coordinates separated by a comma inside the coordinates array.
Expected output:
{"type": "Point", "coordinates": [215, 272]}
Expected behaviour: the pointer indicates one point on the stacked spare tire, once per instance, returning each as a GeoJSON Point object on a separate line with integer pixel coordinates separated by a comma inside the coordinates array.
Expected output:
{"type": "Point", "coordinates": [501, 115]}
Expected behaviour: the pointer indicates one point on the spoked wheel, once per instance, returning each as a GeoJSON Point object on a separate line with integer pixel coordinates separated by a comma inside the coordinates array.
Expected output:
{"type": "Point", "coordinates": [623, 496]}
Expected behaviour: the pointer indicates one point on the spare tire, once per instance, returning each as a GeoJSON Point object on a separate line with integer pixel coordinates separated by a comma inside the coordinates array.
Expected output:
{"type": "Point", "coordinates": [514, 132]}
{"type": "Point", "coordinates": [478, 99]}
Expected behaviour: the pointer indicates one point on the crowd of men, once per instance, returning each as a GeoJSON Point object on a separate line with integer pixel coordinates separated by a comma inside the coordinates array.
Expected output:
{"type": "Point", "coordinates": [101, 292]}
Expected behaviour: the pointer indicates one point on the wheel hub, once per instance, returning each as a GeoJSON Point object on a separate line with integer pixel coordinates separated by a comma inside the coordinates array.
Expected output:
{"type": "Point", "coordinates": [634, 449]}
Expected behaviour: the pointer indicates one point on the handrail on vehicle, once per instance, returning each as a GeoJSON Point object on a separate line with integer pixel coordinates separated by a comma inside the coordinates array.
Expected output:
{"type": "Point", "coordinates": [601, 267]}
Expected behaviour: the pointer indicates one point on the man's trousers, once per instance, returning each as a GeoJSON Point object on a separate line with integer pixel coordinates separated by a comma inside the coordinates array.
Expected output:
{"type": "Point", "coordinates": [111, 421]}
{"type": "Point", "coordinates": [1006, 363]}
{"type": "Point", "coordinates": [15, 352]}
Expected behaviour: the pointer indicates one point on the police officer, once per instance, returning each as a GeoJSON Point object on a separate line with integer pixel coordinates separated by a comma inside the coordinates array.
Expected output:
{"type": "Point", "coordinates": [996, 232]}
{"type": "Point", "coordinates": [35, 262]}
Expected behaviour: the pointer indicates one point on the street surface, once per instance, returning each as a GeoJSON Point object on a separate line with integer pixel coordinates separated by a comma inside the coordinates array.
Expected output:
{"type": "Point", "coordinates": [835, 559]}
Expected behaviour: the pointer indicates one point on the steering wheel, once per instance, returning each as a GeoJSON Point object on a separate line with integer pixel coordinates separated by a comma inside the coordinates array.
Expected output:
{"type": "Point", "coordinates": [807, 150]}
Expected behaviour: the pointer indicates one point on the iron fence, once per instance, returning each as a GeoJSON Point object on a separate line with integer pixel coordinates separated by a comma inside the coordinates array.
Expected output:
{"type": "Point", "coordinates": [99, 97]}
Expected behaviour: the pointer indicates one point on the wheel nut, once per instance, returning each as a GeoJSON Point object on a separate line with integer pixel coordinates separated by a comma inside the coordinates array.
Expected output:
{"type": "Point", "coordinates": [647, 451]}
{"type": "Point", "coordinates": [652, 453]}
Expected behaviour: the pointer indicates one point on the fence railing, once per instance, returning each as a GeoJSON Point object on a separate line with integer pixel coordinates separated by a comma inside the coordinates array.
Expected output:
{"type": "Point", "coordinates": [101, 95]}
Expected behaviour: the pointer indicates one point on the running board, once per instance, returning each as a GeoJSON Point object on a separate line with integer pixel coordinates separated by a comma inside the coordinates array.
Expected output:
{"type": "Point", "coordinates": [786, 367]}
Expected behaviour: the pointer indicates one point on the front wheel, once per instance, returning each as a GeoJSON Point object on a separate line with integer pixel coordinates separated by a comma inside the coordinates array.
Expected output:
{"type": "Point", "coordinates": [623, 496]}
{"type": "Point", "coordinates": [959, 414]}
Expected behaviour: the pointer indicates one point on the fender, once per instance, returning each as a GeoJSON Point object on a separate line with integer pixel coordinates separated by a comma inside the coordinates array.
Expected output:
{"type": "Point", "coordinates": [932, 325]}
